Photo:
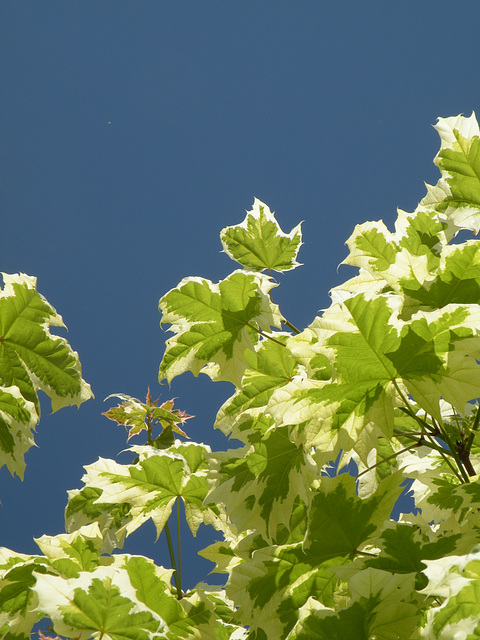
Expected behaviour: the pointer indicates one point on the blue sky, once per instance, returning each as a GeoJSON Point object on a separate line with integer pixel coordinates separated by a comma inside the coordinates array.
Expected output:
{"type": "Point", "coordinates": [133, 132]}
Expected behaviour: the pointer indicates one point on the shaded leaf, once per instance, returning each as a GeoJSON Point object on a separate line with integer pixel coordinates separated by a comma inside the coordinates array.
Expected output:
{"type": "Point", "coordinates": [85, 507]}
{"type": "Point", "coordinates": [340, 523]}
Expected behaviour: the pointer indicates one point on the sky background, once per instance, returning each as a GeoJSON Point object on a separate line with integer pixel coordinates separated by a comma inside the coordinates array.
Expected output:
{"type": "Point", "coordinates": [133, 132]}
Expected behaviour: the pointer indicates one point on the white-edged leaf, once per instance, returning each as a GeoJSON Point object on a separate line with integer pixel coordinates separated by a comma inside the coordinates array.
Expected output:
{"type": "Point", "coordinates": [214, 324]}
{"type": "Point", "coordinates": [31, 360]}
{"type": "Point", "coordinates": [258, 243]}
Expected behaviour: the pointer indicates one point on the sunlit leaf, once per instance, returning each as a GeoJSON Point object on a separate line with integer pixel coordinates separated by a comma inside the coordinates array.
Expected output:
{"type": "Point", "coordinates": [102, 602]}
{"type": "Point", "coordinates": [31, 360]}
{"type": "Point", "coordinates": [214, 324]}
{"type": "Point", "coordinates": [258, 243]}
{"type": "Point", "coordinates": [71, 553]}
{"type": "Point", "coordinates": [433, 355]}
{"type": "Point", "coordinates": [151, 487]}
{"type": "Point", "coordinates": [457, 194]}
{"type": "Point", "coordinates": [379, 395]}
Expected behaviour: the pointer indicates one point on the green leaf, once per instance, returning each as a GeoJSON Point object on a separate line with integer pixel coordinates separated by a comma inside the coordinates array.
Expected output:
{"type": "Point", "coordinates": [277, 581]}
{"type": "Point", "coordinates": [441, 496]}
{"type": "Point", "coordinates": [31, 360]}
{"type": "Point", "coordinates": [207, 614]}
{"type": "Point", "coordinates": [408, 261]}
{"type": "Point", "coordinates": [215, 324]}
{"type": "Point", "coordinates": [390, 602]}
{"type": "Point", "coordinates": [151, 487]}
{"type": "Point", "coordinates": [420, 234]}
{"type": "Point", "coordinates": [18, 602]}
{"type": "Point", "coordinates": [317, 622]}
{"type": "Point", "coordinates": [152, 587]}
{"type": "Point", "coordinates": [434, 355]}
{"type": "Point", "coordinates": [423, 233]}
{"type": "Point", "coordinates": [372, 247]}
{"type": "Point", "coordinates": [18, 418]}
{"type": "Point", "coordinates": [404, 549]}
{"type": "Point", "coordinates": [71, 553]}
{"type": "Point", "coordinates": [384, 456]}
{"type": "Point", "coordinates": [381, 608]}
{"type": "Point", "coordinates": [200, 614]}
{"type": "Point", "coordinates": [102, 602]}
{"type": "Point", "coordinates": [433, 486]}
{"type": "Point", "coordinates": [457, 279]}
{"type": "Point", "coordinates": [258, 243]}
{"type": "Point", "coordinates": [29, 357]}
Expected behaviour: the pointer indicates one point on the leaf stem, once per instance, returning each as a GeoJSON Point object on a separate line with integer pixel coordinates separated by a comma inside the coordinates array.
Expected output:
{"type": "Point", "coordinates": [394, 455]}
{"type": "Point", "coordinates": [179, 573]}
{"type": "Point", "coordinates": [407, 434]}
{"type": "Point", "coordinates": [172, 560]}
{"type": "Point", "coordinates": [421, 441]}
{"type": "Point", "coordinates": [444, 452]}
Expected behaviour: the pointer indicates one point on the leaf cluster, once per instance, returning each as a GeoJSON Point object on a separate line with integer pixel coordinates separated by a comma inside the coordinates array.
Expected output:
{"type": "Point", "coordinates": [384, 384]}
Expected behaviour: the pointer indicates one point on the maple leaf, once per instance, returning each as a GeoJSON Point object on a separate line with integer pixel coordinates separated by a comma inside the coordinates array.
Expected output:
{"type": "Point", "coordinates": [258, 243]}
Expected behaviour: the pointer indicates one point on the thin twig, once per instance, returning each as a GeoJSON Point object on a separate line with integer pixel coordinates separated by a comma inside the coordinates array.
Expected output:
{"type": "Point", "coordinates": [394, 455]}
{"type": "Point", "coordinates": [444, 436]}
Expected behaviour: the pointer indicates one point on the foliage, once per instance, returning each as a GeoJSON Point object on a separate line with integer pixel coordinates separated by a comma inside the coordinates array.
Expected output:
{"type": "Point", "coordinates": [386, 381]}
{"type": "Point", "coordinates": [31, 359]}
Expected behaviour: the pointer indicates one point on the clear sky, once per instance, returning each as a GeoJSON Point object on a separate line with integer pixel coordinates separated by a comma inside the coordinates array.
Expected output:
{"type": "Point", "coordinates": [133, 132]}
